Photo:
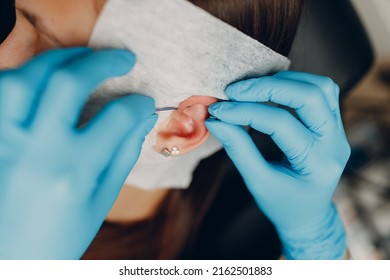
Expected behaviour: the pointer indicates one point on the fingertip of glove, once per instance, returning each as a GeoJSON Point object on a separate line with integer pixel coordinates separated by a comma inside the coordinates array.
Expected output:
{"type": "Point", "coordinates": [150, 123]}
{"type": "Point", "coordinates": [124, 54]}
{"type": "Point", "coordinates": [214, 108]}
{"type": "Point", "coordinates": [231, 90]}
{"type": "Point", "coordinates": [153, 119]}
{"type": "Point", "coordinates": [123, 60]}
{"type": "Point", "coordinates": [214, 125]}
{"type": "Point", "coordinates": [211, 121]}
{"type": "Point", "coordinates": [234, 90]}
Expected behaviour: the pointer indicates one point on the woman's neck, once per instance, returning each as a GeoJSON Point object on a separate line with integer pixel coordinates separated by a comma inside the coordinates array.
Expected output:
{"type": "Point", "coordinates": [134, 205]}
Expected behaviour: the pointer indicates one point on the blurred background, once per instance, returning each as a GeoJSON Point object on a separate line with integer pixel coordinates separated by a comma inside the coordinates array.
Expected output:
{"type": "Point", "coordinates": [363, 196]}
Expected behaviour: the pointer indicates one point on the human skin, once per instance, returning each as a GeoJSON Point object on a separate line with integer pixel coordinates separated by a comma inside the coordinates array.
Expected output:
{"type": "Point", "coordinates": [46, 24]}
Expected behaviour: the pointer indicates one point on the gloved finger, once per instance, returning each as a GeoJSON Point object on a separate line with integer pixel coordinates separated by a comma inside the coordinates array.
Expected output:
{"type": "Point", "coordinates": [105, 133]}
{"type": "Point", "coordinates": [306, 99]}
{"type": "Point", "coordinates": [240, 148]}
{"type": "Point", "coordinates": [330, 89]}
{"type": "Point", "coordinates": [70, 86]}
{"type": "Point", "coordinates": [122, 162]}
{"type": "Point", "coordinates": [289, 134]}
{"type": "Point", "coordinates": [20, 89]}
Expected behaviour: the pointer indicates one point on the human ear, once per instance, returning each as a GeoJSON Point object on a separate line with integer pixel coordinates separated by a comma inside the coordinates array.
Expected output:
{"type": "Point", "coordinates": [184, 130]}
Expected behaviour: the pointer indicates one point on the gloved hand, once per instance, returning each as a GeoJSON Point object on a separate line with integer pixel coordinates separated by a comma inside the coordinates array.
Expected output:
{"type": "Point", "coordinates": [296, 194]}
{"type": "Point", "coordinates": [58, 182]}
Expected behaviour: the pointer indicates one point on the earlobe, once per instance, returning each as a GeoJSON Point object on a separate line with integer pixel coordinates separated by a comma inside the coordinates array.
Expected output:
{"type": "Point", "coordinates": [184, 130]}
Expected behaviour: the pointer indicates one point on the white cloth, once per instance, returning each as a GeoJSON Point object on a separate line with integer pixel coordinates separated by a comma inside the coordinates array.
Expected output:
{"type": "Point", "coordinates": [181, 51]}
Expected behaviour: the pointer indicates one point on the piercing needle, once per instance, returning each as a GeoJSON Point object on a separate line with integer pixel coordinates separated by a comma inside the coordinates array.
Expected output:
{"type": "Point", "coordinates": [164, 109]}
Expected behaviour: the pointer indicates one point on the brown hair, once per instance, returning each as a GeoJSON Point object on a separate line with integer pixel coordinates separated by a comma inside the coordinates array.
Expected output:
{"type": "Point", "coordinates": [273, 23]}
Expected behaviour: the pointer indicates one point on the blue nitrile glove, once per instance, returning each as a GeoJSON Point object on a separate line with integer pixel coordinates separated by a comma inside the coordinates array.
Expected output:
{"type": "Point", "coordinates": [59, 182]}
{"type": "Point", "coordinates": [296, 194]}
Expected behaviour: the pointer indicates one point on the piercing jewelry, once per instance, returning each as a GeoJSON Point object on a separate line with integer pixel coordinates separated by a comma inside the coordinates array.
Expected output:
{"type": "Point", "coordinates": [175, 151]}
{"type": "Point", "coordinates": [167, 153]}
